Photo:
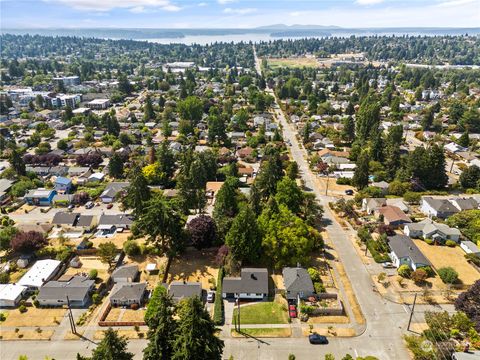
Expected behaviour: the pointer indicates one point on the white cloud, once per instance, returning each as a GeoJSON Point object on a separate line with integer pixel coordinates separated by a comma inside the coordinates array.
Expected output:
{"type": "Point", "coordinates": [242, 11]}
{"type": "Point", "coordinates": [137, 10]}
{"type": "Point", "coordinates": [202, 4]}
{"type": "Point", "coordinates": [456, 3]}
{"type": "Point", "coordinates": [107, 5]}
{"type": "Point", "coordinates": [296, 13]}
{"type": "Point", "coordinates": [368, 2]}
{"type": "Point", "coordinates": [224, 2]}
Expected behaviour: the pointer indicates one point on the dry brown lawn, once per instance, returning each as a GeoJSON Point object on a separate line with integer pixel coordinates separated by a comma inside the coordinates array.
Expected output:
{"type": "Point", "coordinates": [26, 335]}
{"type": "Point", "coordinates": [119, 239]}
{"type": "Point", "coordinates": [293, 62]}
{"type": "Point", "coordinates": [328, 320]}
{"type": "Point", "coordinates": [142, 261]}
{"type": "Point", "coordinates": [33, 317]}
{"type": "Point", "coordinates": [70, 336]}
{"type": "Point", "coordinates": [442, 256]}
{"type": "Point", "coordinates": [334, 332]}
{"type": "Point", "coordinates": [133, 315]}
{"type": "Point", "coordinates": [194, 265]}
{"type": "Point", "coordinates": [129, 334]}
{"type": "Point", "coordinates": [263, 332]}
{"type": "Point", "coordinates": [90, 263]}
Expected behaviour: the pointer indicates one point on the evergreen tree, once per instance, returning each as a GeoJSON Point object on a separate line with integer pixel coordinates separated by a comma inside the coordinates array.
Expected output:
{"type": "Point", "coordinates": [368, 119]}
{"type": "Point", "coordinates": [243, 238]}
{"type": "Point", "coordinates": [360, 177]}
{"type": "Point", "coordinates": [148, 113]}
{"type": "Point", "coordinates": [289, 194]}
{"type": "Point", "coordinates": [196, 333]}
{"type": "Point", "coordinates": [137, 192]}
{"type": "Point", "coordinates": [271, 172]}
{"type": "Point", "coordinates": [464, 140]}
{"type": "Point", "coordinates": [16, 161]}
{"type": "Point", "coordinates": [115, 166]}
{"type": "Point", "coordinates": [348, 131]}
{"type": "Point", "coordinates": [162, 327]}
{"type": "Point", "coordinates": [112, 347]}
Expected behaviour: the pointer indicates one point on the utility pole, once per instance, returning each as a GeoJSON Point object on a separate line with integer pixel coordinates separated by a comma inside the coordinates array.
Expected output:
{"type": "Point", "coordinates": [451, 167]}
{"type": "Point", "coordinates": [238, 314]}
{"type": "Point", "coordinates": [411, 312]}
{"type": "Point", "coordinates": [70, 317]}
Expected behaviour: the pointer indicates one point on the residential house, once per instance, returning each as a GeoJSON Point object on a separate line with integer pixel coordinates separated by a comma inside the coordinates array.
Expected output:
{"type": "Point", "coordinates": [5, 186]}
{"type": "Point", "coordinates": [62, 185]}
{"type": "Point", "coordinates": [112, 190]}
{"type": "Point", "coordinates": [40, 197]}
{"type": "Point", "coordinates": [41, 272]}
{"type": "Point", "coordinates": [382, 185]}
{"type": "Point", "coordinates": [86, 223]}
{"type": "Point", "coordinates": [11, 294]}
{"type": "Point", "coordinates": [429, 229]}
{"type": "Point", "coordinates": [118, 221]}
{"type": "Point", "coordinates": [245, 152]}
{"type": "Point", "coordinates": [297, 282]}
{"type": "Point", "coordinates": [252, 284]}
{"type": "Point", "coordinates": [68, 289]}
{"type": "Point", "coordinates": [470, 248]}
{"type": "Point", "coordinates": [179, 290]}
{"type": "Point", "coordinates": [79, 171]}
{"type": "Point", "coordinates": [404, 251]}
{"type": "Point", "coordinates": [125, 274]}
{"type": "Point", "coordinates": [96, 177]}
{"type": "Point", "coordinates": [370, 205]}
{"type": "Point", "coordinates": [463, 204]}
{"type": "Point", "coordinates": [127, 294]}
{"type": "Point", "coordinates": [393, 215]}
{"type": "Point", "coordinates": [440, 208]}
{"type": "Point", "coordinates": [65, 220]}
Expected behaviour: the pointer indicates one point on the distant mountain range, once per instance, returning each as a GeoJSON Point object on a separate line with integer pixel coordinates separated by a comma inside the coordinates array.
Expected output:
{"type": "Point", "coordinates": [276, 30]}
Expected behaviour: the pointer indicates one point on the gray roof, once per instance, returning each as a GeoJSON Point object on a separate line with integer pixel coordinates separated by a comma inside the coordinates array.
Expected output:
{"type": "Point", "coordinates": [297, 280]}
{"type": "Point", "coordinates": [471, 355]}
{"type": "Point", "coordinates": [114, 188]}
{"type": "Point", "coordinates": [117, 220]}
{"type": "Point", "coordinates": [404, 247]}
{"type": "Point", "coordinates": [252, 280]}
{"type": "Point", "coordinates": [125, 271]}
{"type": "Point", "coordinates": [441, 205]}
{"type": "Point", "coordinates": [85, 220]}
{"type": "Point", "coordinates": [180, 290]}
{"type": "Point", "coordinates": [76, 289]}
{"type": "Point", "coordinates": [5, 184]}
{"type": "Point", "coordinates": [466, 203]}
{"type": "Point", "coordinates": [128, 291]}
{"type": "Point", "coordinates": [471, 246]}
{"type": "Point", "coordinates": [65, 218]}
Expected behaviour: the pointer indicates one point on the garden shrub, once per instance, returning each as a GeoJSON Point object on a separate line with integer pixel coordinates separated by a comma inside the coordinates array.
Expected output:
{"type": "Point", "coordinates": [92, 275]}
{"type": "Point", "coordinates": [22, 308]}
{"type": "Point", "coordinates": [429, 241]}
{"type": "Point", "coordinates": [319, 287]}
{"type": "Point", "coordinates": [448, 275]}
{"type": "Point", "coordinates": [450, 243]}
{"type": "Point", "coordinates": [404, 271]}
{"type": "Point", "coordinates": [218, 315]}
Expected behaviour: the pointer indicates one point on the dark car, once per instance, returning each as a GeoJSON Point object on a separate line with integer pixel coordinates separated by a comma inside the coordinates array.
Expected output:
{"type": "Point", "coordinates": [109, 206]}
{"type": "Point", "coordinates": [349, 192]}
{"type": "Point", "coordinates": [317, 339]}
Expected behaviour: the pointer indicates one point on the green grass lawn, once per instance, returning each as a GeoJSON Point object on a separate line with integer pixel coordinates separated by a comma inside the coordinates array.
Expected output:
{"type": "Point", "coordinates": [263, 313]}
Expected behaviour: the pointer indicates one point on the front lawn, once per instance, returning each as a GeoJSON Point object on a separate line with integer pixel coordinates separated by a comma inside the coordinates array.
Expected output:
{"type": "Point", "coordinates": [263, 313]}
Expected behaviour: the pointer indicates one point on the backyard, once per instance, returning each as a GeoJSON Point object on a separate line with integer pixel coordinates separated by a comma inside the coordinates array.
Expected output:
{"type": "Point", "coordinates": [33, 317]}
{"type": "Point", "coordinates": [443, 256]}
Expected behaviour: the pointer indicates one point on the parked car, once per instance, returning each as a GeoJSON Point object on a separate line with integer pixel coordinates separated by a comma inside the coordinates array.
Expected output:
{"type": "Point", "coordinates": [71, 207]}
{"type": "Point", "coordinates": [317, 339]}
{"type": "Point", "coordinates": [349, 192]}
{"type": "Point", "coordinates": [89, 205]}
{"type": "Point", "coordinates": [210, 297]}
{"type": "Point", "coordinates": [292, 310]}
{"type": "Point", "coordinates": [388, 265]}
{"type": "Point", "coordinates": [109, 206]}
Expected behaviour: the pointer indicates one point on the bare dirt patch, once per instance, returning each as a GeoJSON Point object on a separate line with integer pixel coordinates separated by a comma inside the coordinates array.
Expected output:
{"type": "Point", "coordinates": [90, 263]}
{"type": "Point", "coordinates": [195, 265]}
{"type": "Point", "coordinates": [293, 62]}
{"type": "Point", "coordinates": [357, 312]}
{"type": "Point", "coordinates": [129, 334]}
{"type": "Point", "coordinates": [328, 320]}
{"type": "Point", "coordinates": [331, 332]}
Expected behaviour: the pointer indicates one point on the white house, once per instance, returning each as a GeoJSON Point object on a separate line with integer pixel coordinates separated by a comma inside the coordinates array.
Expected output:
{"type": "Point", "coordinates": [41, 272]}
{"type": "Point", "coordinates": [11, 294]}
{"type": "Point", "coordinates": [441, 208]}
{"type": "Point", "coordinates": [404, 251]}
{"type": "Point", "coordinates": [252, 284]}
{"type": "Point", "coordinates": [428, 229]}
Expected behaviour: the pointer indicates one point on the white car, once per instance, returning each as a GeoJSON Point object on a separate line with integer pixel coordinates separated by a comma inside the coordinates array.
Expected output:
{"type": "Point", "coordinates": [89, 205]}
{"type": "Point", "coordinates": [210, 297]}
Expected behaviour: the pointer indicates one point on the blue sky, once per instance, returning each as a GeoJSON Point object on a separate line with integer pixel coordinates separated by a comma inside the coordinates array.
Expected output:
{"type": "Point", "coordinates": [237, 13]}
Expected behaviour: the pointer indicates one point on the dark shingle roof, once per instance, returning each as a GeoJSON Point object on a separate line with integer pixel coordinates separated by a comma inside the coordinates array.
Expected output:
{"type": "Point", "coordinates": [180, 290]}
{"type": "Point", "coordinates": [76, 289]}
{"type": "Point", "coordinates": [65, 218]}
{"type": "Point", "coordinates": [251, 281]}
{"type": "Point", "coordinates": [125, 271]}
{"type": "Point", "coordinates": [129, 291]}
{"type": "Point", "coordinates": [297, 279]}
{"type": "Point", "coordinates": [403, 247]}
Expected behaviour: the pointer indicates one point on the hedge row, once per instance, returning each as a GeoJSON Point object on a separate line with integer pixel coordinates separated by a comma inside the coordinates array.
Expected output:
{"type": "Point", "coordinates": [379, 258]}
{"type": "Point", "coordinates": [218, 314]}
